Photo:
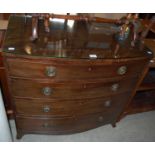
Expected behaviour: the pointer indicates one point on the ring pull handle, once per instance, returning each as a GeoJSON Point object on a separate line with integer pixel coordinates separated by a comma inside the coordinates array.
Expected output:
{"type": "Point", "coordinates": [50, 71]}
{"type": "Point", "coordinates": [45, 125]}
{"type": "Point", "coordinates": [100, 119]}
{"type": "Point", "coordinates": [115, 87]}
{"type": "Point", "coordinates": [107, 103]}
{"type": "Point", "coordinates": [47, 91]}
{"type": "Point", "coordinates": [46, 109]}
{"type": "Point", "coordinates": [122, 70]}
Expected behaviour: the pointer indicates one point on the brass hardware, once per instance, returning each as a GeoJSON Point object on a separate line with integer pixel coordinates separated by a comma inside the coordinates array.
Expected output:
{"type": "Point", "coordinates": [107, 103]}
{"type": "Point", "coordinates": [46, 108]}
{"type": "Point", "coordinates": [50, 71]}
{"type": "Point", "coordinates": [115, 87]}
{"type": "Point", "coordinates": [100, 118]}
{"type": "Point", "coordinates": [45, 125]}
{"type": "Point", "coordinates": [47, 91]}
{"type": "Point", "coordinates": [122, 70]}
{"type": "Point", "coordinates": [152, 61]}
{"type": "Point", "coordinates": [89, 69]}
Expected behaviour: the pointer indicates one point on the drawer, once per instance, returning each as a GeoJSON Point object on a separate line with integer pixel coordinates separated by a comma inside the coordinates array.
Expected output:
{"type": "Point", "coordinates": [72, 90]}
{"type": "Point", "coordinates": [72, 70]}
{"type": "Point", "coordinates": [35, 107]}
{"type": "Point", "coordinates": [65, 125]}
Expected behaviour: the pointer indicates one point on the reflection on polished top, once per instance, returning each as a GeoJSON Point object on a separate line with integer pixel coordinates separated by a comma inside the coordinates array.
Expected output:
{"type": "Point", "coordinates": [66, 39]}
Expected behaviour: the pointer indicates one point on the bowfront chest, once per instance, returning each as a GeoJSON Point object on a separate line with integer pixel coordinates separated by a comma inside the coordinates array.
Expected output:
{"type": "Point", "coordinates": [70, 79]}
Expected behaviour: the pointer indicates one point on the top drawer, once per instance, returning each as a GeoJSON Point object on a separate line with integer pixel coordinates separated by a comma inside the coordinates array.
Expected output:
{"type": "Point", "coordinates": [72, 71]}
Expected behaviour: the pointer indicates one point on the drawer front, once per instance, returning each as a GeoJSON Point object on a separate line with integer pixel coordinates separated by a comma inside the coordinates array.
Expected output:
{"type": "Point", "coordinates": [62, 71]}
{"type": "Point", "coordinates": [35, 107]}
{"type": "Point", "coordinates": [65, 125]}
{"type": "Point", "coordinates": [76, 90]}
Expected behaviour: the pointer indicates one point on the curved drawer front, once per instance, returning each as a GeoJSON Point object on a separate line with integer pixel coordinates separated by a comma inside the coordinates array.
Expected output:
{"type": "Point", "coordinates": [78, 90]}
{"type": "Point", "coordinates": [65, 125]}
{"type": "Point", "coordinates": [36, 107]}
{"type": "Point", "coordinates": [62, 71]}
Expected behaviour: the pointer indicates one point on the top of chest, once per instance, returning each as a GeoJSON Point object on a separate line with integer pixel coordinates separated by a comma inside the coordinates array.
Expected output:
{"type": "Point", "coordinates": [66, 39]}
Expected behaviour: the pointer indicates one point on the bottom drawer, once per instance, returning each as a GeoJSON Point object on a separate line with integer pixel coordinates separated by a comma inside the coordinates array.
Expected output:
{"type": "Point", "coordinates": [65, 125]}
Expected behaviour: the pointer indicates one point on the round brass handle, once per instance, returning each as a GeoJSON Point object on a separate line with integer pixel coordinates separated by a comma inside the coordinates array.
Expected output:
{"type": "Point", "coordinates": [46, 108]}
{"type": "Point", "coordinates": [100, 118]}
{"type": "Point", "coordinates": [107, 103]}
{"type": "Point", "coordinates": [122, 70]}
{"type": "Point", "coordinates": [45, 125]}
{"type": "Point", "coordinates": [115, 87]}
{"type": "Point", "coordinates": [47, 91]}
{"type": "Point", "coordinates": [50, 71]}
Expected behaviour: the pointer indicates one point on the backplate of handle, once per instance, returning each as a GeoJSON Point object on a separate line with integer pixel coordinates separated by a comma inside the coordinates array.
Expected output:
{"type": "Point", "coordinates": [115, 87]}
{"type": "Point", "coordinates": [47, 91]}
{"type": "Point", "coordinates": [50, 71]}
{"type": "Point", "coordinates": [45, 125]}
{"type": "Point", "coordinates": [122, 70]}
{"type": "Point", "coordinates": [107, 103]}
{"type": "Point", "coordinates": [46, 109]}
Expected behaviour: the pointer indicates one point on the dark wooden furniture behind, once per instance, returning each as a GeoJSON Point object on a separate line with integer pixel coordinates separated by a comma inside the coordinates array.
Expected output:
{"type": "Point", "coordinates": [144, 99]}
{"type": "Point", "coordinates": [69, 80]}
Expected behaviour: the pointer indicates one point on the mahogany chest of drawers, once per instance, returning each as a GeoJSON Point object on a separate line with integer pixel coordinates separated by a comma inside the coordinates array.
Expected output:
{"type": "Point", "coordinates": [69, 80]}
